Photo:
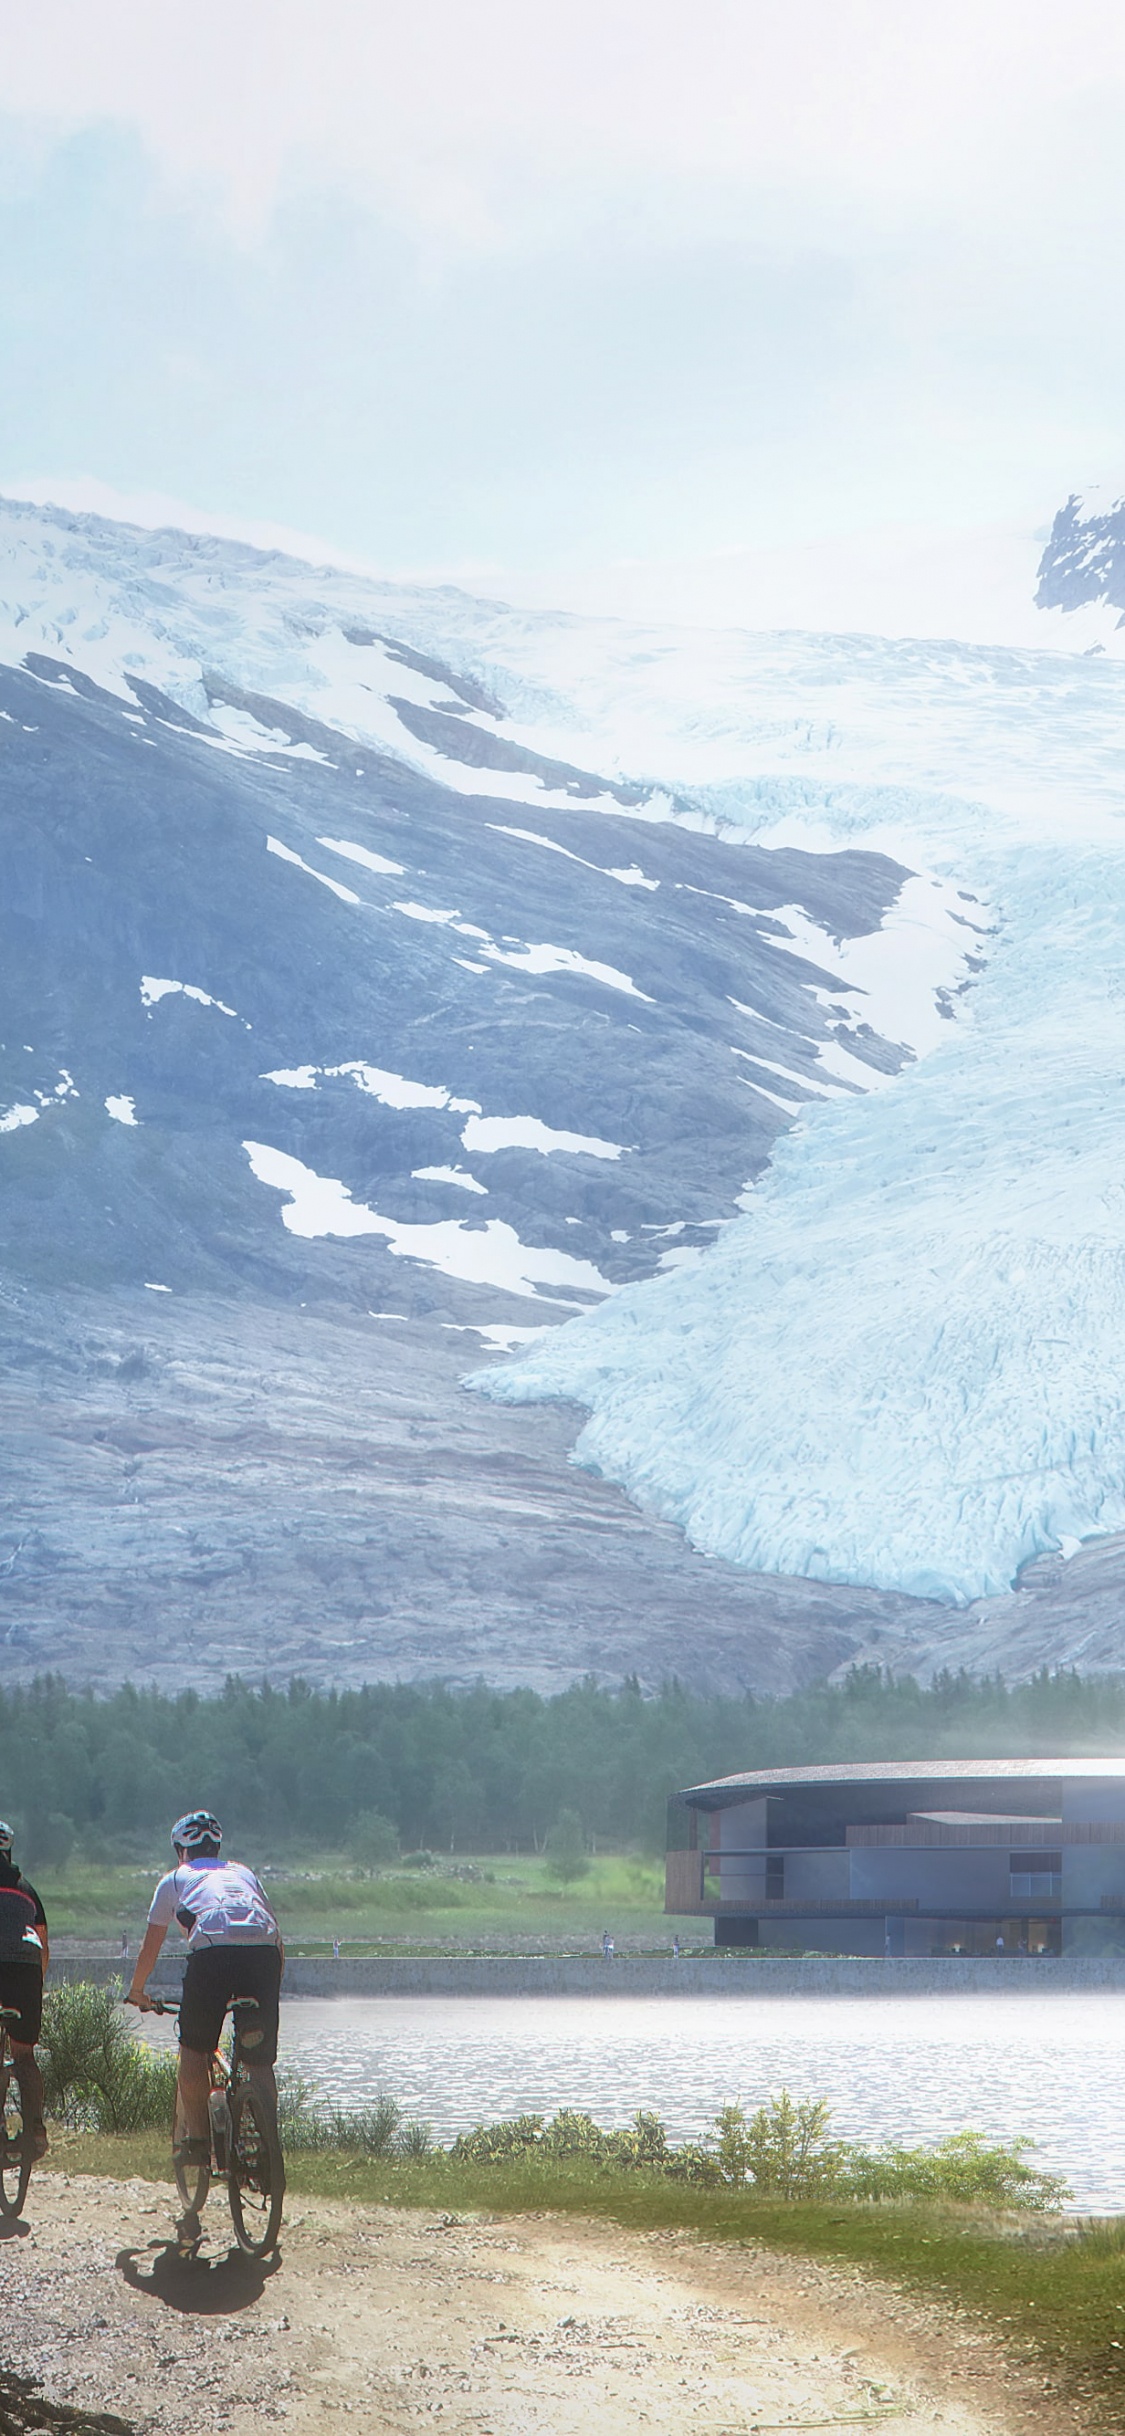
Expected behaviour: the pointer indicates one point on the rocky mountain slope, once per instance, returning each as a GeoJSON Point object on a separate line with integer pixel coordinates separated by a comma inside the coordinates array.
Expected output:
{"type": "Point", "coordinates": [1082, 570]}
{"type": "Point", "coordinates": [389, 978]}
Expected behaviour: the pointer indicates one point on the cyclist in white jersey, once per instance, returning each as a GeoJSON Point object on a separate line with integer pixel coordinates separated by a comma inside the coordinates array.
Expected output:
{"type": "Point", "coordinates": [234, 1949]}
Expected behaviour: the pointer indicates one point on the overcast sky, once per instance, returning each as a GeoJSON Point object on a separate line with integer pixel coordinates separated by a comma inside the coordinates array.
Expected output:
{"type": "Point", "coordinates": [583, 298]}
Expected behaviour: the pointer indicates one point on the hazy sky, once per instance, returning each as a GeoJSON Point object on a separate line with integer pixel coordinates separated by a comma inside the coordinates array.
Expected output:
{"type": "Point", "coordinates": [536, 290]}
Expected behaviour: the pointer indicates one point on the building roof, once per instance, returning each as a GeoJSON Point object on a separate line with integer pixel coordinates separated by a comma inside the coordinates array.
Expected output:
{"type": "Point", "coordinates": [889, 1772]}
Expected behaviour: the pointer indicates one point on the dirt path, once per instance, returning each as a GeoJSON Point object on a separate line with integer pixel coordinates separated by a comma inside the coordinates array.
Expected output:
{"type": "Point", "coordinates": [533, 2326]}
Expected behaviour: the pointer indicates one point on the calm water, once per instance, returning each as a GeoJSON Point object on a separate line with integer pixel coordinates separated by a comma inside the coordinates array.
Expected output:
{"type": "Point", "coordinates": [1047, 2067]}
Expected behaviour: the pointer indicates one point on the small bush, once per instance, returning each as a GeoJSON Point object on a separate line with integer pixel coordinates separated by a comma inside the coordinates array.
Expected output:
{"type": "Point", "coordinates": [415, 2140]}
{"type": "Point", "coordinates": [784, 2150]}
{"type": "Point", "coordinates": [373, 1840]}
{"type": "Point", "coordinates": [570, 2136]}
{"type": "Point", "coordinates": [963, 2168]}
{"type": "Point", "coordinates": [96, 2075]}
{"type": "Point", "coordinates": [567, 1858]}
{"type": "Point", "coordinates": [417, 1860]}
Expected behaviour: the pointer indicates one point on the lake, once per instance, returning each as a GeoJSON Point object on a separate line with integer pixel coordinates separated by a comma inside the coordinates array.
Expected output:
{"type": "Point", "coordinates": [903, 2068]}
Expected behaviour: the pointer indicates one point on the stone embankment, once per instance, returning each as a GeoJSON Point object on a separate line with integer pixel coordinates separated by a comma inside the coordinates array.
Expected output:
{"type": "Point", "coordinates": [658, 1975]}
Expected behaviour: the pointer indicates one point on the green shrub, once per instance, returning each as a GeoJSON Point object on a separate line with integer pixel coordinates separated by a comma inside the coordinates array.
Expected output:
{"type": "Point", "coordinates": [415, 2140]}
{"type": "Point", "coordinates": [567, 1858]}
{"type": "Point", "coordinates": [784, 2150]}
{"type": "Point", "coordinates": [963, 2168]}
{"type": "Point", "coordinates": [568, 2137]}
{"type": "Point", "coordinates": [496, 2143]}
{"type": "Point", "coordinates": [96, 2075]}
{"type": "Point", "coordinates": [308, 2125]}
{"type": "Point", "coordinates": [373, 1840]}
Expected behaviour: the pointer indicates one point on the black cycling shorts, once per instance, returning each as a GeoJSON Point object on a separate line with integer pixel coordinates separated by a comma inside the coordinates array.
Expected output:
{"type": "Point", "coordinates": [216, 1974]}
{"type": "Point", "coordinates": [21, 1988]}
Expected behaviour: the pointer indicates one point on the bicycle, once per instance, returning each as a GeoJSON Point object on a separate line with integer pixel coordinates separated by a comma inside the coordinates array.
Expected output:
{"type": "Point", "coordinates": [245, 2148]}
{"type": "Point", "coordinates": [16, 2158]}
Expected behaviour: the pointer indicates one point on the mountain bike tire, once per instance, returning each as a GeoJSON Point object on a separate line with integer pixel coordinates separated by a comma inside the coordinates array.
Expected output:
{"type": "Point", "coordinates": [192, 2181]}
{"type": "Point", "coordinates": [15, 2165]}
{"type": "Point", "coordinates": [256, 2172]}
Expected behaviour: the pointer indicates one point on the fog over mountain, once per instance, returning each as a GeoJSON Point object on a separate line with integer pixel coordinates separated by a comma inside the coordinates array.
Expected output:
{"type": "Point", "coordinates": [713, 1034]}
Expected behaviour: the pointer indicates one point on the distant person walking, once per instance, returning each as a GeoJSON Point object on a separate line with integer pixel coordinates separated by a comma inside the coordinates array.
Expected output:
{"type": "Point", "coordinates": [1000, 1943]}
{"type": "Point", "coordinates": [675, 1949]}
{"type": "Point", "coordinates": [335, 1949]}
{"type": "Point", "coordinates": [607, 1946]}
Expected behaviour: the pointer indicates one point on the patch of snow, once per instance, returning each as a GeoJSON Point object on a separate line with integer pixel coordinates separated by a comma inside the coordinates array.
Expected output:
{"type": "Point", "coordinates": [490, 1254]}
{"type": "Point", "coordinates": [898, 970]}
{"type": "Point", "coordinates": [362, 854]}
{"type": "Point", "coordinates": [121, 1108]}
{"type": "Point", "coordinates": [630, 877]}
{"type": "Point", "coordinates": [449, 1175]}
{"type": "Point", "coordinates": [241, 728]}
{"type": "Point", "coordinates": [394, 1090]}
{"type": "Point", "coordinates": [452, 920]}
{"type": "Point", "coordinates": [347, 895]}
{"type": "Point", "coordinates": [489, 1133]}
{"type": "Point", "coordinates": [789, 1107]}
{"type": "Point", "coordinates": [153, 990]}
{"type": "Point", "coordinates": [784, 1074]}
{"type": "Point", "coordinates": [496, 1332]}
{"type": "Point", "coordinates": [544, 958]}
{"type": "Point", "coordinates": [65, 1089]}
{"type": "Point", "coordinates": [19, 1114]}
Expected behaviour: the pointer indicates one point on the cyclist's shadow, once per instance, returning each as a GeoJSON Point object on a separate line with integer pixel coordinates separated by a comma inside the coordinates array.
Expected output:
{"type": "Point", "coordinates": [198, 2287]}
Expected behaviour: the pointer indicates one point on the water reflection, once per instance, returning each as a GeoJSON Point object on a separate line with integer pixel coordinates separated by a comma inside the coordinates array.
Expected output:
{"type": "Point", "coordinates": [904, 2068]}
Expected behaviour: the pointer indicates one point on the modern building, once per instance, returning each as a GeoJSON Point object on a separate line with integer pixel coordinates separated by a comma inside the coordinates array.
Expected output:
{"type": "Point", "coordinates": [923, 1857]}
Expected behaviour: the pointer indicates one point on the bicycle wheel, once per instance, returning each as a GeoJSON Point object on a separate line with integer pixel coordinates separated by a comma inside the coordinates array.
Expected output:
{"type": "Point", "coordinates": [192, 2181]}
{"type": "Point", "coordinates": [256, 2173]}
{"type": "Point", "coordinates": [15, 2164]}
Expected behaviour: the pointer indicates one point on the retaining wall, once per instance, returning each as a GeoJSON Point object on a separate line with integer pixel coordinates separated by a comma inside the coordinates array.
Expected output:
{"type": "Point", "coordinates": [640, 1975]}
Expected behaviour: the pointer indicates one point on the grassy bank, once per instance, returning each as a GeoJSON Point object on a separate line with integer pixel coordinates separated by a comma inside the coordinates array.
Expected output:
{"type": "Point", "coordinates": [490, 1903]}
{"type": "Point", "coordinates": [1046, 2284]}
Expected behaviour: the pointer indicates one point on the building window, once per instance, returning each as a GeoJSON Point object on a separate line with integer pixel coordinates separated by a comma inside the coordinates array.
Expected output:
{"type": "Point", "coordinates": [1035, 1873]}
{"type": "Point", "coordinates": [775, 1877]}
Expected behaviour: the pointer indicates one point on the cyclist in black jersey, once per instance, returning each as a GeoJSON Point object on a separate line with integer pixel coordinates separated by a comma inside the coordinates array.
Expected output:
{"type": "Point", "coordinates": [23, 1963]}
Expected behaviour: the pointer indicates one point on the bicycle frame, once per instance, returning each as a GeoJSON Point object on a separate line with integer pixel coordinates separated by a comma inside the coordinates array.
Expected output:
{"type": "Point", "coordinates": [244, 2146]}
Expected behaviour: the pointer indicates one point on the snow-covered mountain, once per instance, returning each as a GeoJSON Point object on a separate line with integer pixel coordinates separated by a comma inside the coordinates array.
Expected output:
{"type": "Point", "coordinates": [1082, 570]}
{"type": "Point", "coordinates": [448, 974]}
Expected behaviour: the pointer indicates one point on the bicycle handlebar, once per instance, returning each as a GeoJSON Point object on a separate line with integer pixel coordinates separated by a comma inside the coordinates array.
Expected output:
{"type": "Point", "coordinates": [161, 2004]}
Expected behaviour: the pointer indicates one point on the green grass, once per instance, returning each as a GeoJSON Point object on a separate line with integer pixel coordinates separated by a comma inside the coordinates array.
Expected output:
{"type": "Point", "coordinates": [1046, 2285]}
{"type": "Point", "coordinates": [509, 1902]}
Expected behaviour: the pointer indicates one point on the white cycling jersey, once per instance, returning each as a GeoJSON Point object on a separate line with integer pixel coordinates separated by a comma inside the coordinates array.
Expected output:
{"type": "Point", "coordinates": [216, 1902]}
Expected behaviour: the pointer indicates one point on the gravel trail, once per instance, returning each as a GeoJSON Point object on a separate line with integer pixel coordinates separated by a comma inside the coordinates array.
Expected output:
{"type": "Point", "coordinates": [533, 2326]}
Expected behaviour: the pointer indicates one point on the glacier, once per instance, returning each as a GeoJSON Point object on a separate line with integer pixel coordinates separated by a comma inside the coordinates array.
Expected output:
{"type": "Point", "coordinates": [903, 1366]}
